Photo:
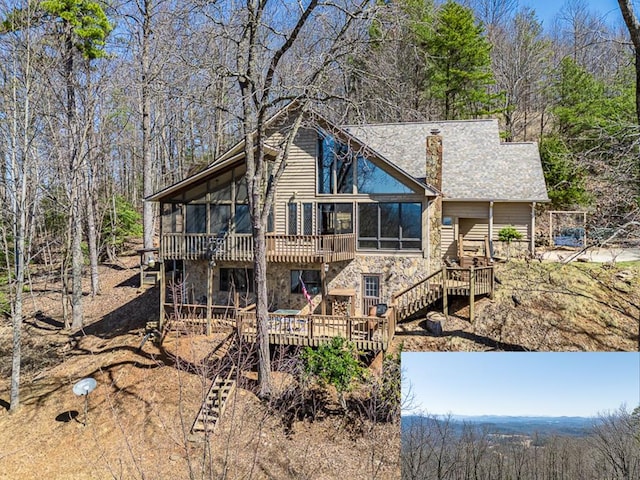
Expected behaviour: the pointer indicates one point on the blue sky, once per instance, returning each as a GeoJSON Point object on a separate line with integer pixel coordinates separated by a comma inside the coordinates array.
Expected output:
{"type": "Point", "coordinates": [547, 9]}
{"type": "Point", "coordinates": [526, 384]}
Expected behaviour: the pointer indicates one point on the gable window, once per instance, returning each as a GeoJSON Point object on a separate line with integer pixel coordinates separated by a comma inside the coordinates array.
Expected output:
{"type": "Point", "coordinates": [372, 179]}
{"type": "Point", "coordinates": [335, 218]}
{"type": "Point", "coordinates": [341, 170]}
{"type": "Point", "coordinates": [390, 226]}
{"type": "Point", "coordinates": [335, 166]}
{"type": "Point", "coordinates": [236, 279]}
{"type": "Point", "coordinates": [311, 279]}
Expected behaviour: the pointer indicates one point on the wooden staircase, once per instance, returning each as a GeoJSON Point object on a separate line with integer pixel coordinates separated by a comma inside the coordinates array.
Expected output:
{"type": "Point", "coordinates": [214, 403]}
{"type": "Point", "coordinates": [445, 282]}
{"type": "Point", "coordinates": [419, 296]}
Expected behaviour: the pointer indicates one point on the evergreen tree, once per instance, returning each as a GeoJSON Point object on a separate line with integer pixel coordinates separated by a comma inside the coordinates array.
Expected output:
{"type": "Point", "coordinates": [458, 63]}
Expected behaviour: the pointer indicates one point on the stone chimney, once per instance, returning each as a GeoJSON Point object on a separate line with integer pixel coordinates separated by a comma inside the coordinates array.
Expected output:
{"type": "Point", "coordinates": [433, 169]}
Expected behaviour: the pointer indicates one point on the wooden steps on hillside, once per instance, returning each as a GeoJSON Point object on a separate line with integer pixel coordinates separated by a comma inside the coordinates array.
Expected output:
{"type": "Point", "coordinates": [214, 403]}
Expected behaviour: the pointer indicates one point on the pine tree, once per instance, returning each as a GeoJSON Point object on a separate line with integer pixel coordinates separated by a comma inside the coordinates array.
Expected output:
{"type": "Point", "coordinates": [459, 63]}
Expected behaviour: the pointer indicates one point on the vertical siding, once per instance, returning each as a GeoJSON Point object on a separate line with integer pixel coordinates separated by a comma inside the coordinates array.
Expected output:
{"type": "Point", "coordinates": [516, 214]}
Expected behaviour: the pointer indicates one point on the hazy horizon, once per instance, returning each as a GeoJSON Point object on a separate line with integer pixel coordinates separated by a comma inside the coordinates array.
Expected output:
{"type": "Point", "coordinates": [520, 384]}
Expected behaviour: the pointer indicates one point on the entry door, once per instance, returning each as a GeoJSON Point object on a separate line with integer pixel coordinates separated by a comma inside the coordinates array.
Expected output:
{"type": "Point", "coordinates": [370, 292]}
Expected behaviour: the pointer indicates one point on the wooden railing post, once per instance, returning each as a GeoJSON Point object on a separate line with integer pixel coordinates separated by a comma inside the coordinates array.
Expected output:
{"type": "Point", "coordinates": [472, 293]}
{"type": "Point", "coordinates": [445, 296]}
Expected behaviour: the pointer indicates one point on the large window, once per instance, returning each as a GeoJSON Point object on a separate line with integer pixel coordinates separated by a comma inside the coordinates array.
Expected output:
{"type": "Point", "coordinates": [335, 218]}
{"type": "Point", "coordinates": [341, 170]}
{"type": "Point", "coordinates": [196, 218]}
{"type": "Point", "coordinates": [236, 279]}
{"type": "Point", "coordinates": [310, 278]}
{"type": "Point", "coordinates": [390, 226]}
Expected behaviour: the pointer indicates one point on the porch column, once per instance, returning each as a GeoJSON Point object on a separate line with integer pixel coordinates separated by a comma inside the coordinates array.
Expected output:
{"type": "Point", "coordinates": [532, 233]}
{"type": "Point", "coordinates": [209, 297]}
{"type": "Point", "coordinates": [163, 293]}
{"type": "Point", "coordinates": [490, 221]}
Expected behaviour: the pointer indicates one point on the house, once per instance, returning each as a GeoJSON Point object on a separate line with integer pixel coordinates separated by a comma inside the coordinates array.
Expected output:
{"type": "Point", "coordinates": [361, 213]}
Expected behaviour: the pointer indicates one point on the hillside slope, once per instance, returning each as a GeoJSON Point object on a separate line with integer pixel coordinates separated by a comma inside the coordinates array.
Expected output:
{"type": "Point", "coordinates": [542, 307]}
{"type": "Point", "coordinates": [140, 415]}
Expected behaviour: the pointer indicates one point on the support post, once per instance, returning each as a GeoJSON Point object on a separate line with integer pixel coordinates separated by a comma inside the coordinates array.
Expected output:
{"type": "Point", "coordinates": [163, 294]}
{"type": "Point", "coordinates": [209, 298]}
{"type": "Point", "coordinates": [445, 298]}
{"type": "Point", "coordinates": [472, 293]}
{"type": "Point", "coordinates": [323, 283]}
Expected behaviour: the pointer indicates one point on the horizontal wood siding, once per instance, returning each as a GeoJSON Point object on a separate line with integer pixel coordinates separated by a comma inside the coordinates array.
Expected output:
{"type": "Point", "coordinates": [516, 214]}
{"type": "Point", "coordinates": [465, 209]}
{"type": "Point", "coordinates": [447, 245]}
{"type": "Point", "coordinates": [298, 177]}
{"type": "Point", "coordinates": [474, 228]}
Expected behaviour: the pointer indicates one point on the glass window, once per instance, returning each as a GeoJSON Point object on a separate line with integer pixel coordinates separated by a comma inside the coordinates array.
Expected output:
{"type": "Point", "coordinates": [390, 226]}
{"type": "Point", "coordinates": [236, 279]}
{"type": "Point", "coordinates": [307, 219]}
{"type": "Point", "coordinates": [310, 278]}
{"type": "Point", "coordinates": [242, 219]}
{"type": "Point", "coordinates": [171, 218]}
{"type": "Point", "coordinates": [196, 218]}
{"type": "Point", "coordinates": [220, 216]}
{"type": "Point", "coordinates": [241, 190]}
{"type": "Point", "coordinates": [372, 179]}
{"type": "Point", "coordinates": [292, 227]}
{"type": "Point", "coordinates": [335, 218]}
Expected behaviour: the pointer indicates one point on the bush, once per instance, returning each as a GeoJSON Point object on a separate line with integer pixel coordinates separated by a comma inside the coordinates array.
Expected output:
{"type": "Point", "coordinates": [334, 364]}
{"type": "Point", "coordinates": [509, 233]}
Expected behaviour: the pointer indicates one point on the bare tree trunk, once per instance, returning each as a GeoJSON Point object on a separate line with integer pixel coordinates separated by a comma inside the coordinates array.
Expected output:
{"type": "Point", "coordinates": [633, 25]}
{"type": "Point", "coordinates": [147, 158]}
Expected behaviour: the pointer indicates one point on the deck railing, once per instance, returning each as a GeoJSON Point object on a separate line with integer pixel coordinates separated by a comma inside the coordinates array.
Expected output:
{"type": "Point", "coordinates": [239, 247]}
{"type": "Point", "coordinates": [365, 332]}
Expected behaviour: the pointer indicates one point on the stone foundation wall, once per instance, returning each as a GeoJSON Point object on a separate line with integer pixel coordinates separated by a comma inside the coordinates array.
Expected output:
{"type": "Point", "coordinates": [396, 273]}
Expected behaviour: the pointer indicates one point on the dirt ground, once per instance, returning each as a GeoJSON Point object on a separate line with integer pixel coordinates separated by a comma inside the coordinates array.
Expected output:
{"type": "Point", "coordinates": [139, 417]}
{"type": "Point", "coordinates": [540, 306]}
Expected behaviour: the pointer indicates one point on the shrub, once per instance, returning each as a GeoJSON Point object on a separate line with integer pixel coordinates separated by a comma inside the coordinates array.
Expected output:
{"type": "Point", "coordinates": [509, 233]}
{"type": "Point", "coordinates": [336, 364]}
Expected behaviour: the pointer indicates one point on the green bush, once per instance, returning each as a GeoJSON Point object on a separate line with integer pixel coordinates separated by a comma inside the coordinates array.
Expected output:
{"type": "Point", "coordinates": [334, 364]}
{"type": "Point", "coordinates": [509, 233]}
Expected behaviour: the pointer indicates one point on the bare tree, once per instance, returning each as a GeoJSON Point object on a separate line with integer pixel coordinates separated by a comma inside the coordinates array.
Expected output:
{"type": "Point", "coordinates": [19, 147]}
{"type": "Point", "coordinates": [283, 52]}
{"type": "Point", "coordinates": [633, 25]}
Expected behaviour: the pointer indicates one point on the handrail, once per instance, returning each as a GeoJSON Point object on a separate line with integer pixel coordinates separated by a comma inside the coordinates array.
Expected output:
{"type": "Point", "coordinates": [233, 246]}
{"type": "Point", "coordinates": [395, 296]}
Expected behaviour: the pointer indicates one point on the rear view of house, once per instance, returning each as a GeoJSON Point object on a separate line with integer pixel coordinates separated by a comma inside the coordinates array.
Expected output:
{"type": "Point", "coordinates": [361, 214]}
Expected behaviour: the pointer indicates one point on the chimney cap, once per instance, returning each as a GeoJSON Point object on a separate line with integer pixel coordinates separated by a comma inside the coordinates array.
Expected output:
{"type": "Point", "coordinates": [435, 131]}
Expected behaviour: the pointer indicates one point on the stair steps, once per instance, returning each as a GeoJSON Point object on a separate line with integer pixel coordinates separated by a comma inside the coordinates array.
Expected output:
{"type": "Point", "coordinates": [215, 402]}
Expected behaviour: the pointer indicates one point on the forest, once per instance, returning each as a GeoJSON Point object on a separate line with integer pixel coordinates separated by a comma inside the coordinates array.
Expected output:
{"type": "Point", "coordinates": [439, 447]}
{"type": "Point", "coordinates": [103, 103]}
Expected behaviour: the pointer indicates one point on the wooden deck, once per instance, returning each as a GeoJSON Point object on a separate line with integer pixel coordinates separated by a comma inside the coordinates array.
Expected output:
{"type": "Point", "coordinates": [239, 247]}
{"type": "Point", "coordinates": [367, 333]}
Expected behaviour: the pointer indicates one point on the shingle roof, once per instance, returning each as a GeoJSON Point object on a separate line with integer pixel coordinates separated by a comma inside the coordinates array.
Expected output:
{"type": "Point", "coordinates": [476, 165]}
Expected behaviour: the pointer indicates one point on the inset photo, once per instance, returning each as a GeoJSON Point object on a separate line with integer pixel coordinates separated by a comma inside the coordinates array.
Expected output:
{"type": "Point", "coordinates": [520, 415]}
